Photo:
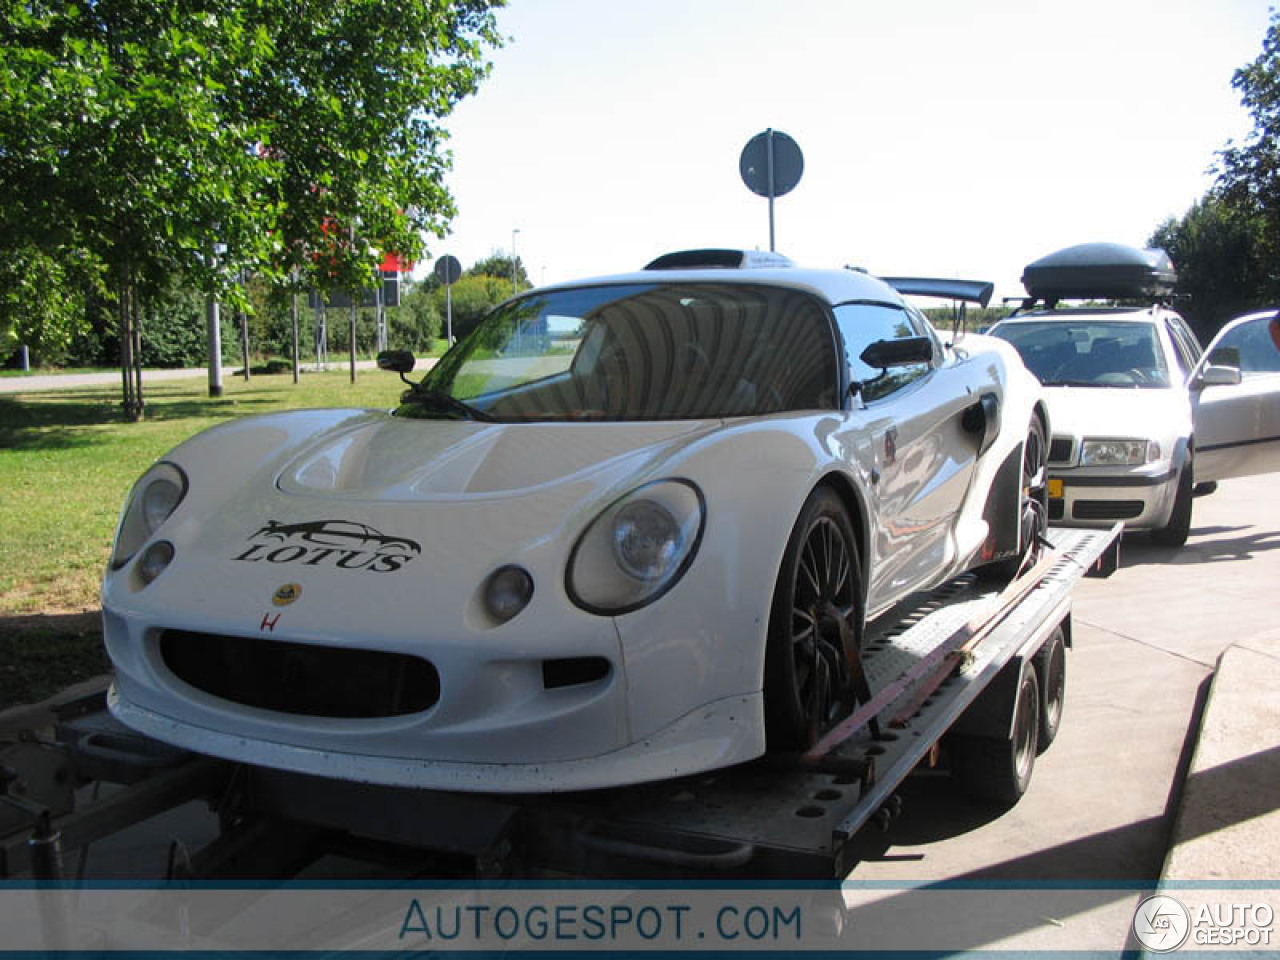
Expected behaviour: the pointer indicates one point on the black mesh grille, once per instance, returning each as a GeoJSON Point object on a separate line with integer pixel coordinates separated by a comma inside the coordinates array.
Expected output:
{"type": "Point", "coordinates": [1106, 509]}
{"type": "Point", "coordinates": [1060, 450]}
{"type": "Point", "coordinates": [301, 678]}
{"type": "Point", "coordinates": [1056, 508]}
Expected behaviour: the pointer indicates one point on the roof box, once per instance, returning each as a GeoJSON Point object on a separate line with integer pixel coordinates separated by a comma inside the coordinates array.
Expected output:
{"type": "Point", "coordinates": [721, 259]}
{"type": "Point", "coordinates": [1100, 271]}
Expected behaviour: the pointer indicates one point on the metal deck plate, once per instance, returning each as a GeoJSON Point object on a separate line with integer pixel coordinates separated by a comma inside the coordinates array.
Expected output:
{"type": "Point", "coordinates": [813, 814]}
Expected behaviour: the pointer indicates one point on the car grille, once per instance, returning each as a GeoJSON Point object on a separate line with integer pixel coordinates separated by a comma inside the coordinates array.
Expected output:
{"type": "Point", "coordinates": [301, 678]}
{"type": "Point", "coordinates": [1106, 509]}
{"type": "Point", "coordinates": [1060, 450]}
{"type": "Point", "coordinates": [1056, 510]}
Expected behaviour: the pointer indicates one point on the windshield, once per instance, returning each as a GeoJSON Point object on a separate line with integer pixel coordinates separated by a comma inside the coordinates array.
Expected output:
{"type": "Point", "coordinates": [1089, 353]}
{"type": "Point", "coordinates": [638, 352]}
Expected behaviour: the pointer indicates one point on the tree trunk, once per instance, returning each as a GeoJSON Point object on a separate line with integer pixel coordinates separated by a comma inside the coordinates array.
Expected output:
{"type": "Point", "coordinates": [295, 328]}
{"type": "Point", "coordinates": [351, 323]}
{"type": "Point", "coordinates": [130, 354]}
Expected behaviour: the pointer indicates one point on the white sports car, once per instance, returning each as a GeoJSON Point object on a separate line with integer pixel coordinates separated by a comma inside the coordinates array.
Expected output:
{"type": "Point", "coordinates": [628, 529]}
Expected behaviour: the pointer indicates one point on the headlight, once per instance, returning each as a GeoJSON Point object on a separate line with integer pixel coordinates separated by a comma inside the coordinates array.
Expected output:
{"type": "Point", "coordinates": [1118, 453]}
{"type": "Point", "coordinates": [151, 502]}
{"type": "Point", "coordinates": [637, 549]}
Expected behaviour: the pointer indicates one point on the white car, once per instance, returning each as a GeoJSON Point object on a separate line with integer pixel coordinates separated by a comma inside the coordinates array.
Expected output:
{"type": "Point", "coordinates": [628, 529]}
{"type": "Point", "coordinates": [1141, 417]}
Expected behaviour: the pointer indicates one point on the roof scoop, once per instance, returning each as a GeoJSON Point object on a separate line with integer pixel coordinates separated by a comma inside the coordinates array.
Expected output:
{"type": "Point", "coordinates": [719, 259]}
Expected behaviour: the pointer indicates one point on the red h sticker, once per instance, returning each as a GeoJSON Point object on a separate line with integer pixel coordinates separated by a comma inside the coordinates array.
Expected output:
{"type": "Point", "coordinates": [269, 622]}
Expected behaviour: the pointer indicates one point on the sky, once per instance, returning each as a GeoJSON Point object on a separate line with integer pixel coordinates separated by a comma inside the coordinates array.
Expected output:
{"type": "Point", "coordinates": [952, 138]}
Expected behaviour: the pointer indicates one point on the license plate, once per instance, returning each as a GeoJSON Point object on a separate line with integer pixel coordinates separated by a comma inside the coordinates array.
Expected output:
{"type": "Point", "coordinates": [1055, 488]}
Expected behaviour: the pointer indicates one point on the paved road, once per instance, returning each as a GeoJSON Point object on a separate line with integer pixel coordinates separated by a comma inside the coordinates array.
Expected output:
{"type": "Point", "coordinates": [70, 381]}
{"type": "Point", "coordinates": [1101, 802]}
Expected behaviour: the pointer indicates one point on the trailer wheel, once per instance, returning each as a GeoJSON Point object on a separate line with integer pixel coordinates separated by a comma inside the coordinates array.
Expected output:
{"type": "Point", "coordinates": [999, 768]}
{"type": "Point", "coordinates": [1051, 672]}
{"type": "Point", "coordinates": [816, 617]}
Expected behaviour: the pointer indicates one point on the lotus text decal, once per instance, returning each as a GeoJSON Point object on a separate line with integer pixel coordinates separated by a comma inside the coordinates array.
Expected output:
{"type": "Point", "coordinates": [329, 543]}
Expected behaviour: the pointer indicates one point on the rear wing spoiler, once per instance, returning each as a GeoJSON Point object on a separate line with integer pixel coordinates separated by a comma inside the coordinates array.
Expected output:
{"type": "Point", "coordinates": [970, 291]}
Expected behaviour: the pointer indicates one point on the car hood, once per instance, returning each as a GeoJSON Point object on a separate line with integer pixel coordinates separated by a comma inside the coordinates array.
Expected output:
{"type": "Point", "coordinates": [1118, 412]}
{"type": "Point", "coordinates": [394, 459]}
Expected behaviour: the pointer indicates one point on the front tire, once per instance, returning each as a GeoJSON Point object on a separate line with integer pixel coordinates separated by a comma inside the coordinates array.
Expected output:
{"type": "Point", "coordinates": [1176, 531]}
{"type": "Point", "coordinates": [815, 620]}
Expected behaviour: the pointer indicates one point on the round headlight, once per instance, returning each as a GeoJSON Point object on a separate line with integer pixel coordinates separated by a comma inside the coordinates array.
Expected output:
{"type": "Point", "coordinates": [507, 592]}
{"type": "Point", "coordinates": [637, 549]}
{"type": "Point", "coordinates": [646, 539]}
{"type": "Point", "coordinates": [160, 498]}
{"type": "Point", "coordinates": [151, 502]}
{"type": "Point", "coordinates": [154, 560]}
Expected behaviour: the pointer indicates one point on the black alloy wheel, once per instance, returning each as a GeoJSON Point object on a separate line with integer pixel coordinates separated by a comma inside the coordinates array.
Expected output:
{"type": "Point", "coordinates": [815, 626]}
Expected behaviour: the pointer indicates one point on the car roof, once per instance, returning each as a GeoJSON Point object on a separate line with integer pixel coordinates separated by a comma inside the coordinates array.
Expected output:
{"type": "Point", "coordinates": [1120, 314]}
{"type": "Point", "coordinates": [833, 286]}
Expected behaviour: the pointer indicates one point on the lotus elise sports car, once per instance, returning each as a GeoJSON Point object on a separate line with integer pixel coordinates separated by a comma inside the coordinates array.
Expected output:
{"type": "Point", "coordinates": [628, 529]}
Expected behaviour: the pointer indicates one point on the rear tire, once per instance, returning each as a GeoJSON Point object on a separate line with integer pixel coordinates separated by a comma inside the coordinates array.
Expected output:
{"type": "Point", "coordinates": [999, 768]}
{"type": "Point", "coordinates": [1176, 531]}
{"type": "Point", "coordinates": [1033, 508]}
{"type": "Point", "coordinates": [816, 616]}
{"type": "Point", "coordinates": [1051, 673]}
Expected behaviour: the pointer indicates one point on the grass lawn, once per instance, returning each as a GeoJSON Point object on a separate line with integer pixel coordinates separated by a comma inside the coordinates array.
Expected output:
{"type": "Point", "coordinates": [67, 460]}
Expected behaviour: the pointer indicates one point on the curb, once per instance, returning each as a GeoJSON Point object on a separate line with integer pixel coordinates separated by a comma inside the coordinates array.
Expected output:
{"type": "Point", "coordinates": [1228, 820]}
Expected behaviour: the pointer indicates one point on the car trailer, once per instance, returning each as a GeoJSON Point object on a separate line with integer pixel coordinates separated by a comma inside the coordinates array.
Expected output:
{"type": "Point", "coordinates": [966, 670]}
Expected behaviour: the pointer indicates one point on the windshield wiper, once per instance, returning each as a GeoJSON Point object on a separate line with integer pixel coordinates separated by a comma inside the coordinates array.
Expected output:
{"type": "Point", "coordinates": [443, 402]}
{"type": "Point", "coordinates": [1076, 383]}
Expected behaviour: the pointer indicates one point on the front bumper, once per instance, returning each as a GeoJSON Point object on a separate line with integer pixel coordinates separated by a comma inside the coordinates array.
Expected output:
{"type": "Point", "coordinates": [1098, 497]}
{"type": "Point", "coordinates": [706, 738]}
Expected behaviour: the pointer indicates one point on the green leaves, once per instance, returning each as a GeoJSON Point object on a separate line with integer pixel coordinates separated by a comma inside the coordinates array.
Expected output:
{"type": "Point", "coordinates": [141, 135]}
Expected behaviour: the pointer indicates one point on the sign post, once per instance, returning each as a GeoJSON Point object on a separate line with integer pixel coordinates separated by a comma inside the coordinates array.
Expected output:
{"type": "Point", "coordinates": [448, 270]}
{"type": "Point", "coordinates": [771, 165]}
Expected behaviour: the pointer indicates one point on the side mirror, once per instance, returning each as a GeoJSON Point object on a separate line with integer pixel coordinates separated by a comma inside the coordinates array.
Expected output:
{"type": "Point", "coordinates": [396, 361]}
{"type": "Point", "coordinates": [898, 353]}
{"type": "Point", "coordinates": [1218, 375]}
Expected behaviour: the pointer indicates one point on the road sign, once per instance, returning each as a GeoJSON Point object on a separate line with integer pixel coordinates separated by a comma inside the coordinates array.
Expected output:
{"type": "Point", "coordinates": [448, 269]}
{"type": "Point", "coordinates": [771, 165]}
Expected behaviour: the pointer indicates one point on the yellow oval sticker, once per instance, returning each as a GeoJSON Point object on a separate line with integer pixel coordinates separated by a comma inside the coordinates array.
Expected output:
{"type": "Point", "coordinates": [287, 594]}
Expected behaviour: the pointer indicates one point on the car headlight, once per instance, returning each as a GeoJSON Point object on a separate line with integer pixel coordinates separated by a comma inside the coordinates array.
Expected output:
{"type": "Point", "coordinates": [151, 502]}
{"type": "Point", "coordinates": [1118, 453]}
{"type": "Point", "coordinates": [637, 548]}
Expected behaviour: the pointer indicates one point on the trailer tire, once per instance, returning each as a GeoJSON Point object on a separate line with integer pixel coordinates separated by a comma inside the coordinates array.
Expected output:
{"type": "Point", "coordinates": [999, 768]}
{"type": "Point", "coordinates": [1051, 672]}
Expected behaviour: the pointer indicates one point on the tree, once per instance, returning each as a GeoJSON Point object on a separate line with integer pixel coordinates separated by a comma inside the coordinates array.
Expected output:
{"type": "Point", "coordinates": [474, 295]}
{"type": "Point", "coordinates": [1218, 252]}
{"type": "Point", "coordinates": [499, 265]}
{"type": "Point", "coordinates": [1249, 173]}
{"type": "Point", "coordinates": [287, 133]}
{"type": "Point", "coordinates": [42, 305]}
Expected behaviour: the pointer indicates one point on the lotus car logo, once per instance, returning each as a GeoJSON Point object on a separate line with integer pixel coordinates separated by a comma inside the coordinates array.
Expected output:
{"type": "Point", "coordinates": [336, 544]}
{"type": "Point", "coordinates": [287, 594]}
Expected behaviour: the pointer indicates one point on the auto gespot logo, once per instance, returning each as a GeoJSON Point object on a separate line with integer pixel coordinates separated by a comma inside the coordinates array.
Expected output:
{"type": "Point", "coordinates": [341, 544]}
